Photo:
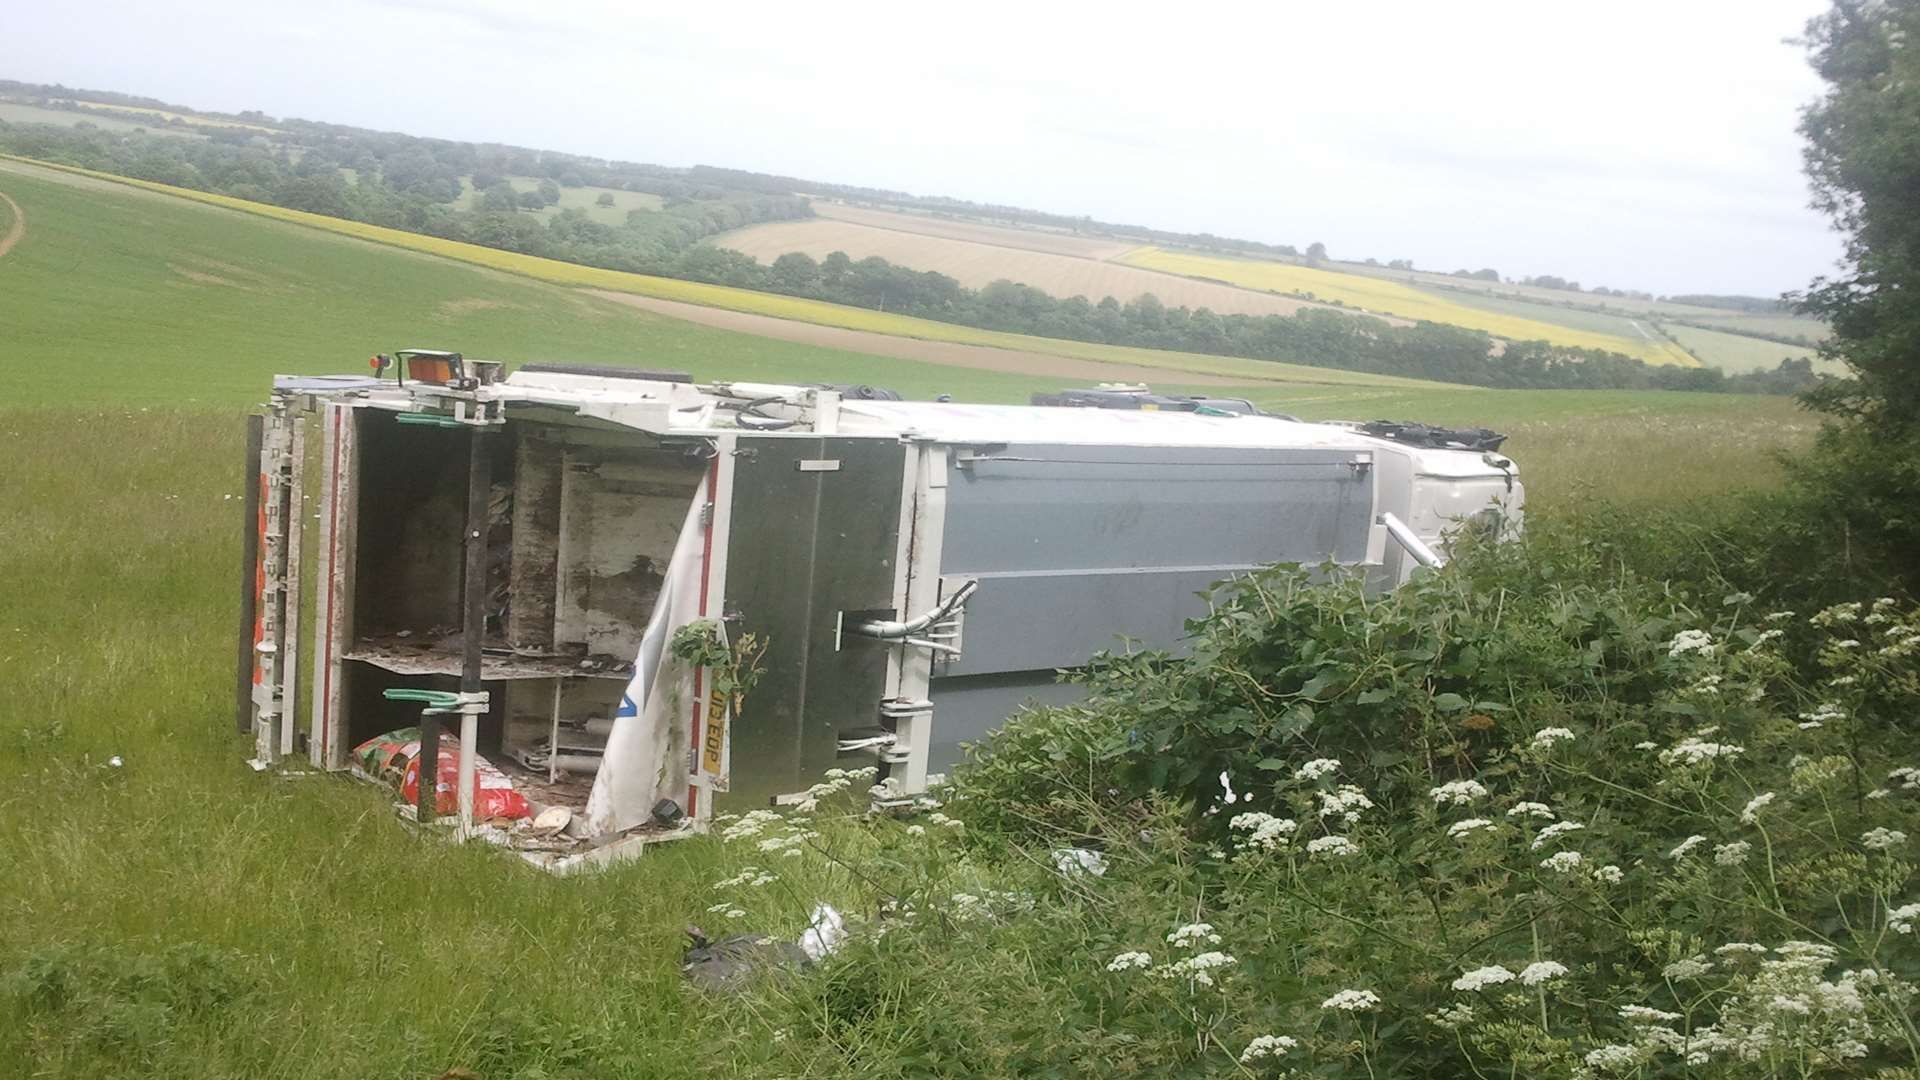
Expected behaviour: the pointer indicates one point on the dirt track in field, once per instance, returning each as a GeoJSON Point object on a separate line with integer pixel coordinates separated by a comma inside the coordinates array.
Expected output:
{"type": "Point", "coordinates": [978, 357]}
{"type": "Point", "coordinates": [19, 227]}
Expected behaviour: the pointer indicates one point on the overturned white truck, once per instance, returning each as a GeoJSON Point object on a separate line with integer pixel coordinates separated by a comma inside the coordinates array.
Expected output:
{"type": "Point", "coordinates": [525, 554]}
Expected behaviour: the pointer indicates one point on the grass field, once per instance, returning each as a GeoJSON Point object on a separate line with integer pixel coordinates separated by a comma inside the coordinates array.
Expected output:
{"type": "Point", "coordinates": [168, 116]}
{"type": "Point", "coordinates": [1053, 241]}
{"type": "Point", "coordinates": [14, 112]}
{"type": "Point", "coordinates": [562, 273]}
{"type": "Point", "coordinates": [181, 916]}
{"type": "Point", "coordinates": [574, 198]}
{"type": "Point", "coordinates": [975, 264]}
{"type": "Point", "coordinates": [1392, 298]}
{"type": "Point", "coordinates": [1734, 353]}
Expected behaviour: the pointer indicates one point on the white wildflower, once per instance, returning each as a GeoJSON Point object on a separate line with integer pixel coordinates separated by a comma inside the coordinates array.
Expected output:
{"type": "Point", "coordinates": [1646, 744]}
{"type": "Point", "coordinates": [1542, 971]}
{"type": "Point", "coordinates": [1838, 613]}
{"type": "Point", "coordinates": [1267, 1046]}
{"type": "Point", "coordinates": [1681, 849]}
{"type": "Point", "coordinates": [1739, 948]}
{"type": "Point", "coordinates": [1879, 793]}
{"type": "Point", "coordinates": [1641, 1014]}
{"type": "Point", "coordinates": [1458, 793]}
{"type": "Point", "coordinates": [1614, 1057]}
{"type": "Point", "coordinates": [1691, 641]}
{"type": "Point", "coordinates": [1821, 715]}
{"type": "Point", "coordinates": [1531, 809]}
{"type": "Point", "coordinates": [1731, 854]}
{"type": "Point", "coordinates": [1346, 801]}
{"type": "Point", "coordinates": [1332, 846]}
{"type": "Point", "coordinates": [1461, 828]}
{"type": "Point", "coordinates": [1264, 831]}
{"type": "Point", "coordinates": [1072, 862]}
{"type": "Point", "coordinates": [1751, 815]}
{"type": "Point", "coordinates": [1352, 1001]}
{"type": "Point", "coordinates": [1195, 969]}
{"type": "Point", "coordinates": [1694, 750]}
{"type": "Point", "coordinates": [1691, 968]}
{"type": "Point", "coordinates": [1883, 839]}
{"type": "Point", "coordinates": [1563, 862]}
{"type": "Point", "coordinates": [1546, 738]}
{"type": "Point", "coordinates": [1553, 832]}
{"type": "Point", "coordinates": [1609, 874]}
{"type": "Point", "coordinates": [1128, 961]}
{"type": "Point", "coordinates": [1779, 616]}
{"type": "Point", "coordinates": [1452, 1017]}
{"type": "Point", "coordinates": [1481, 978]}
{"type": "Point", "coordinates": [1193, 934]}
{"type": "Point", "coordinates": [916, 830]}
{"type": "Point", "coordinates": [1317, 768]}
{"type": "Point", "coordinates": [1901, 919]}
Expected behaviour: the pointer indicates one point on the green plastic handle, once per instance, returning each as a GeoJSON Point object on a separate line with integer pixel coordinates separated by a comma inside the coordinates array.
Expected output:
{"type": "Point", "coordinates": [427, 419]}
{"type": "Point", "coordinates": [439, 699]}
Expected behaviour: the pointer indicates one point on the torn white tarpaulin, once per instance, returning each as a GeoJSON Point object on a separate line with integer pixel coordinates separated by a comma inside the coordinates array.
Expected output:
{"type": "Point", "coordinates": [647, 752]}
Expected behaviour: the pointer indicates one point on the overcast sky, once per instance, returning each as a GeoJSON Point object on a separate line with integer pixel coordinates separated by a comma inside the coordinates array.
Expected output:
{"type": "Point", "coordinates": [1635, 144]}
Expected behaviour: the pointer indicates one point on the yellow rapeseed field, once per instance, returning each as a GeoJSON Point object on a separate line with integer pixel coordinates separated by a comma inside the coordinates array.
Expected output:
{"type": "Point", "coordinates": [163, 114]}
{"type": "Point", "coordinates": [772, 304]}
{"type": "Point", "coordinates": [1393, 298]}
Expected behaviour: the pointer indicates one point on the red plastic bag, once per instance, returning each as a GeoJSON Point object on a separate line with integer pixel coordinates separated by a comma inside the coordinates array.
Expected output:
{"type": "Point", "coordinates": [395, 757]}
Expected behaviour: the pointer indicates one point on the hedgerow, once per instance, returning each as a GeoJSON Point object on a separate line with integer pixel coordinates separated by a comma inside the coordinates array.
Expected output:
{"type": "Point", "coordinates": [1522, 816]}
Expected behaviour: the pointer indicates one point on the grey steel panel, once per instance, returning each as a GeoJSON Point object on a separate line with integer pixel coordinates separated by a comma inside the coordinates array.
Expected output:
{"type": "Point", "coordinates": [1034, 507]}
{"type": "Point", "coordinates": [806, 544]}
{"type": "Point", "coordinates": [1075, 545]}
{"type": "Point", "coordinates": [966, 709]}
{"type": "Point", "coordinates": [1057, 619]}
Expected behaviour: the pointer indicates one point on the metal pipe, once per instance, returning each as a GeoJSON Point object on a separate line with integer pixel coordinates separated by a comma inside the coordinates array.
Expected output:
{"type": "Point", "coordinates": [249, 575]}
{"type": "Point", "coordinates": [892, 630]}
{"type": "Point", "coordinates": [1407, 538]}
{"type": "Point", "coordinates": [474, 624]}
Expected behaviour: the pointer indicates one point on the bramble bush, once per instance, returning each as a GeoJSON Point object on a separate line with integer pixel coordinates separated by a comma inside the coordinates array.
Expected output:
{"type": "Point", "coordinates": [1527, 816]}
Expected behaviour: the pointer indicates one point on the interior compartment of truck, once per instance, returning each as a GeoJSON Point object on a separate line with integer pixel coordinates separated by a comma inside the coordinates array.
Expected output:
{"type": "Point", "coordinates": [581, 523]}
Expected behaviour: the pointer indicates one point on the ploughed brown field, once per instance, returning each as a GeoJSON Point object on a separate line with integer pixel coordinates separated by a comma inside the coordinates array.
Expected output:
{"type": "Point", "coordinates": [1058, 263]}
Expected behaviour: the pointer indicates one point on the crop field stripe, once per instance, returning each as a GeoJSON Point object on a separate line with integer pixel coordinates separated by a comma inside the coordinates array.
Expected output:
{"type": "Point", "coordinates": [785, 307]}
{"type": "Point", "coordinates": [16, 229]}
{"type": "Point", "coordinates": [1382, 296]}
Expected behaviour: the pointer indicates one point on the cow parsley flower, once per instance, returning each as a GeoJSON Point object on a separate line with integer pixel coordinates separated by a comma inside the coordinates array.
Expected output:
{"type": "Point", "coordinates": [1128, 961]}
{"type": "Point", "coordinates": [1883, 839]}
{"type": "Point", "coordinates": [1317, 768]}
{"type": "Point", "coordinates": [1346, 802]}
{"type": "Point", "coordinates": [1553, 832]}
{"type": "Point", "coordinates": [1751, 815]}
{"type": "Point", "coordinates": [1481, 978]}
{"type": "Point", "coordinates": [1908, 775]}
{"type": "Point", "coordinates": [1267, 1046]}
{"type": "Point", "coordinates": [1691, 968]}
{"type": "Point", "coordinates": [1542, 971]}
{"type": "Point", "coordinates": [1646, 744]}
{"type": "Point", "coordinates": [1332, 846]}
{"type": "Point", "coordinates": [1452, 1017]}
{"type": "Point", "coordinates": [1690, 641]}
{"type": "Point", "coordinates": [1546, 738]}
{"type": "Point", "coordinates": [1732, 854]}
{"type": "Point", "coordinates": [1695, 750]}
{"type": "Point", "coordinates": [1681, 850]}
{"type": "Point", "coordinates": [1900, 920]}
{"type": "Point", "coordinates": [1740, 948]}
{"type": "Point", "coordinates": [1264, 831]}
{"type": "Point", "coordinates": [1609, 874]}
{"type": "Point", "coordinates": [1614, 1057]}
{"type": "Point", "coordinates": [1642, 1014]}
{"type": "Point", "coordinates": [1563, 862]}
{"type": "Point", "coordinates": [1458, 793]}
{"type": "Point", "coordinates": [1196, 969]}
{"type": "Point", "coordinates": [1193, 934]}
{"type": "Point", "coordinates": [1531, 809]}
{"type": "Point", "coordinates": [1460, 829]}
{"type": "Point", "coordinates": [1352, 1001]}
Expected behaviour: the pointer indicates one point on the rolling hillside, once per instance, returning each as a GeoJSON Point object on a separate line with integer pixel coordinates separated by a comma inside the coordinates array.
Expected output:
{"type": "Point", "coordinates": [1175, 364]}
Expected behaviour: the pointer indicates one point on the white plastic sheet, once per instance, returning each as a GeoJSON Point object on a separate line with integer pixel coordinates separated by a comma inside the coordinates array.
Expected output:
{"type": "Point", "coordinates": [647, 753]}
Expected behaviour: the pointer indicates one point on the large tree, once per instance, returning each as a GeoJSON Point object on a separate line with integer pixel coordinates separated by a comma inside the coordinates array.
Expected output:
{"type": "Point", "coordinates": [1863, 160]}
